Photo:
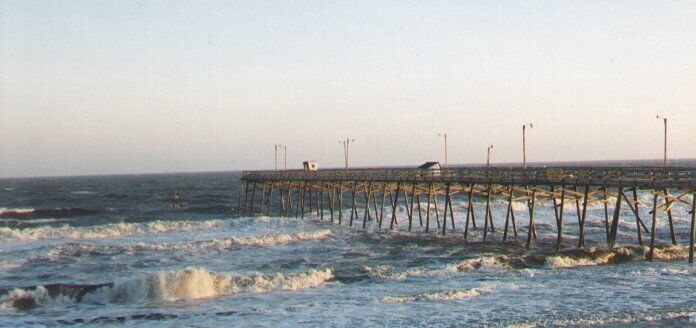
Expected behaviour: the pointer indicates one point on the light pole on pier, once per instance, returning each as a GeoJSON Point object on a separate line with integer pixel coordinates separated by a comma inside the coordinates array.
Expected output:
{"type": "Point", "coordinates": [665, 152]}
{"type": "Point", "coordinates": [346, 148]}
{"type": "Point", "coordinates": [488, 159]}
{"type": "Point", "coordinates": [285, 149]}
{"type": "Point", "coordinates": [524, 143]}
{"type": "Point", "coordinates": [275, 156]}
{"type": "Point", "coordinates": [444, 135]}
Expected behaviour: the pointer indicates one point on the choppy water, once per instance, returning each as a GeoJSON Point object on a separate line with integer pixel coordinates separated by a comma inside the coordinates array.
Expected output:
{"type": "Point", "coordinates": [112, 250]}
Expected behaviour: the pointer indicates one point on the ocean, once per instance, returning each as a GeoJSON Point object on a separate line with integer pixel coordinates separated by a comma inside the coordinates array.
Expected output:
{"type": "Point", "coordinates": [113, 250]}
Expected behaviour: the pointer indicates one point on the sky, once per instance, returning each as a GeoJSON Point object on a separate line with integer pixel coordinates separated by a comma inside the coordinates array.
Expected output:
{"type": "Point", "coordinates": [111, 87]}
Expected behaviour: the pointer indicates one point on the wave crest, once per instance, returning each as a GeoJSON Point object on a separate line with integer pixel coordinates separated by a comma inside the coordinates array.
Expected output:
{"type": "Point", "coordinates": [102, 231]}
{"type": "Point", "coordinates": [79, 249]}
{"type": "Point", "coordinates": [198, 283]}
{"type": "Point", "coordinates": [186, 284]}
{"type": "Point", "coordinates": [15, 211]}
{"type": "Point", "coordinates": [445, 295]}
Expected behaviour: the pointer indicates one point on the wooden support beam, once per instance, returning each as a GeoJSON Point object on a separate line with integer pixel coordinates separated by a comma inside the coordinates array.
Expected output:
{"type": "Point", "coordinates": [354, 209]}
{"type": "Point", "coordinates": [507, 215]}
{"type": "Point", "coordinates": [374, 204]}
{"type": "Point", "coordinates": [238, 209]}
{"type": "Point", "coordinates": [420, 214]}
{"type": "Point", "coordinates": [471, 206]}
{"type": "Point", "coordinates": [636, 212]}
{"type": "Point", "coordinates": [581, 239]}
{"type": "Point", "coordinates": [487, 217]}
{"type": "Point", "coordinates": [253, 196]}
{"type": "Point", "coordinates": [269, 201]}
{"type": "Point", "coordinates": [396, 200]}
{"type": "Point", "coordinates": [444, 215]}
{"type": "Point", "coordinates": [263, 197]}
{"type": "Point", "coordinates": [292, 209]}
{"type": "Point", "coordinates": [531, 229]}
{"type": "Point", "coordinates": [408, 206]}
{"type": "Point", "coordinates": [281, 206]}
{"type": "Point", "coordinates": [437, 212]}
{"type": "Point", "coordinates": [555, 204]}
{"type": "Point", "coordinates": [469, 212]}
{"type": "Point", "coordinates": [671, 219]}
{"type": "Point", "coordinates": [384, 199]}
{"type": "Point", "coordinates": [368, 191]}
{"type": "Point", "coordinates": [693, 228]}
{"type": "Point", "coordinates": [320, 199]}
{"type": "Point", "coordinates": [615, 221]}
{"type": "Point", "coordinates": [391, 199]}
{"type": "Point", "coordinates": [332, 196]}
{"type": "Point", "coordinates": [578, 196]}
{"type": "Point", "coordinates": [321, 202]}
{"type": "Point", "coordinates": [559, 240]}
{"type": "Point", "coordinates": [449, 200]}
{"type": "Point", "coordinates": [246, 195]}
{"type": "Point", "coordinates": [427, 209]}
{"type": "Point", "coordinates": [410, 212]}
{"type": "Point", "coordinates": [606, 211]}
{"type": "Point", "coordinates": [302, 198]}
{"type": "Point", "coordinates": [652, 230]}
{"type": "Point", "coordinates": [299, 199]}
{"type": "Point", "coordinates": [340, 203]}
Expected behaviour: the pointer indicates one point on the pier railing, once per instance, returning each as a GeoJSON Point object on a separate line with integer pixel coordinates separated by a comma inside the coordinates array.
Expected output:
{"type": "Point", "coordinates": [656, 177]}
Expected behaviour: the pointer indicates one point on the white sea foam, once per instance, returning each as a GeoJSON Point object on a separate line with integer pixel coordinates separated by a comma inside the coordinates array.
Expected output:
{"type": "Point", "coordinates": [103, 231]}
{"type": "Point", "coordinates": [444, 295]}
{"type": "Point", "coordinates": [83, 192]}
{"type": "Point", "coordinates": [570, 262]}
{"type": "Point", "coordinates": [198, 283]}
{"type": "Point", "coordinates": [19, 211]}
{"type": "Point", "coordinates": [483, 263]}
{"type": "Point", "coordinates": [75, 249]}
{"type": "Point", "coordinates": [186, 284]}
{"type": "Point", "coordinates": [21, 298]}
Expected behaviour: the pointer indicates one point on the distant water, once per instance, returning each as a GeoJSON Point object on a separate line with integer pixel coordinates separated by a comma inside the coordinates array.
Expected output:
{"type": "Point", "coordinates": [113, 250]}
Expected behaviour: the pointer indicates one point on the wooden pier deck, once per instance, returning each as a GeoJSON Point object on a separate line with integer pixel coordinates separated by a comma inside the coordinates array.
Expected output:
{"type": "Point", "coordinates": [369, 190]}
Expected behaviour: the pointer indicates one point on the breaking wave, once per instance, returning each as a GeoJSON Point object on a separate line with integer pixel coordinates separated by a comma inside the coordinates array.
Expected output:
{"type": "Point", "coordinates": [164, 286]}
{"type": "Point", "coordinates": [15, 212]}
{"type": "Point", "coordinates": [445, 295]}
{"type": "Point", "coordinates": [484, 263]}
{"type": "Point", "coordinates": [102, 231]}
{"type": "Point", "coordinates": [597, 256]}
{"type": "Point", "coordinates": [79, 249]}
{"type": "Point", "coordinates": [565, 259]}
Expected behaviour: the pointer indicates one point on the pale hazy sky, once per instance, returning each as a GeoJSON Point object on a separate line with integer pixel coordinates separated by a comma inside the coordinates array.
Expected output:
{"type": "Point", "coordinates": [123, 86]}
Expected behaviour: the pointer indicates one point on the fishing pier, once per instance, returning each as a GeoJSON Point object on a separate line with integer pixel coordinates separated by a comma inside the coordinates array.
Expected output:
{"type": "Point", "coordinates": [359, 196]}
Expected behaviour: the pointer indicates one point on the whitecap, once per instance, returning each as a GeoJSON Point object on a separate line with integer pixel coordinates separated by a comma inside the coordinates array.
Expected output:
{"type": "Point", "coordinates": [444, 295]}
{"type": "Point", "coordinates": [103, 231]}
{"type": "Point", "coordinates": [198, 283]}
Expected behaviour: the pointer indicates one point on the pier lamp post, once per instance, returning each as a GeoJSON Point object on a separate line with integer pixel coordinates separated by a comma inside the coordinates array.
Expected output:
{"type": "Point", "coordinates": [275, 155]}
{"type": "Point", "coordinates": [665, 152]}
{"type": "Point", "coordinates": [488, 159]}
{"type": "Point", "coordinates": [524, 143]}
{"type": "Point", "coordinates": [285, 149]}
{"type": "Point", "coordinates": [346, 147]}
{"type": "Point", "coordinates": [444, 135]}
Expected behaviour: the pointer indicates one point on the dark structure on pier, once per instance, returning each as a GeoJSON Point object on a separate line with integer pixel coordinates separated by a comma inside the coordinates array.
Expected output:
{"type": "Point", "coordinates": [296, 192]}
